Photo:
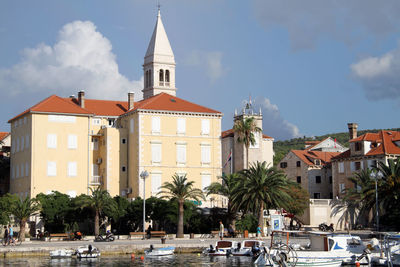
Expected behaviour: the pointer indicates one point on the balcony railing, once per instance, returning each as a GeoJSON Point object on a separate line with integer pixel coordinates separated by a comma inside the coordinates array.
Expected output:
{"type": "Point", "coordinates": [96, 180]}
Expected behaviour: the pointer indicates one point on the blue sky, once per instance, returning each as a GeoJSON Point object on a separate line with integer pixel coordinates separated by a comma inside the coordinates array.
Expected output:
{"type": "Point", "coordinates": [311, 65]}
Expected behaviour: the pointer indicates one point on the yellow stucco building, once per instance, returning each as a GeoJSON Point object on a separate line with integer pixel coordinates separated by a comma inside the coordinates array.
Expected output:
{"type": "Point", "coordinates": [71, 144]}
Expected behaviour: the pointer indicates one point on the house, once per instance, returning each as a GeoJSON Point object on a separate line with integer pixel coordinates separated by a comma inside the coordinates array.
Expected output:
{"type": "Point", "coordinates": [71, 144]}
{"type": "Point", "coordinates": [365, 152]}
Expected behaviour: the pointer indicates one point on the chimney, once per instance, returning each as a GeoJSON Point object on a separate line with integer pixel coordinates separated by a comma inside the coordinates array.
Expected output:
{"type": "Point", "coordinates": [352, 130]}
{"type": "Point", "coordinates": [131, 97]}
{"type": "Point", "coordinates": [81, 98]}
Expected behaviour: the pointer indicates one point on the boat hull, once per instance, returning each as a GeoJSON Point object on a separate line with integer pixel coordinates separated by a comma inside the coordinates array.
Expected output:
{"type": "Point", "coordinates": [167, 251]}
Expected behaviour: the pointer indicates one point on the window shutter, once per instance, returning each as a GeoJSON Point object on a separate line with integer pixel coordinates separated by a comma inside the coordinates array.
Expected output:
{"type": "Point", "coordinates": [27, 141]}
{"type": "Point", "coordinates": [205, 181]}
{"type": "Point", "coordinates": [26, 169]}
{"type": "Point", "coordinates": [22, 143]}
{"type": "Point", "coordinates": [205, 127]}
{"type": "Point", "coordinates": [72, 141]}
{"type": "Point", "coordinates": [181, 126]}
{"type": "Point", "coordinates": [156, 153]}
{"type": "Point", "coordinates": [181, 153]}
{"type": "Point", "coordinates": [155, 183]}
{"type": "Point", "coordinates": [51, 168]}
{"type": "Point", "coordinates": [155, 125]}
{"type": "Point", "coordinates": [72, 169]}
{"type": "Point", "coordinates": [205, 154]}
{"type": "Point", "coordinates": [51, 141]}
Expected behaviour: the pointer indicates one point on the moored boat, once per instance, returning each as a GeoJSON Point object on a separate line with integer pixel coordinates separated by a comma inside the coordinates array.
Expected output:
{"type": "Point", "coordinates": [88, 251]}
{"type": "Point", "coordinates": [164, 251]}
{"type": "Point", "coordinates": [222, 248]}
{"type": "Point", "coordinates": [247, 248]}
{"type": "Point", "coordinates": [61, 253]}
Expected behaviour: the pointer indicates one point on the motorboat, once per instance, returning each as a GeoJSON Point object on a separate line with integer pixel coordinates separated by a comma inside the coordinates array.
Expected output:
{"type": "Point", "coordinates": [62, 253]}
{"type": "Point", "coordinates": [164, 251]}
{"type": "Point", "coordinates": [324, 247]}
{"type": "Point", "coordinates": [247, 248]}
{"type": "Point", "coordinates": [222, 248]}
{"type": "Point", "coordinates": [88, 251]}
{"type": "Point", "coordinates": [391, 251]}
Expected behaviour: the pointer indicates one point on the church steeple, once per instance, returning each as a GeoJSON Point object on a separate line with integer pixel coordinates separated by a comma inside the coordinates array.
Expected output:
{"type": "Point", "coordinates": [159, 63]}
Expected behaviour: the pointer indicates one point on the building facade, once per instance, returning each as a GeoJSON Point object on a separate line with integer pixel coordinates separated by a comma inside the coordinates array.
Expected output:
{"type": "Point", "coordinates": [72, 144]}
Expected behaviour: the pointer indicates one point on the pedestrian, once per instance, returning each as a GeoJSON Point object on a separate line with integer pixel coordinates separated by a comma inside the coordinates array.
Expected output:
{"type": "Point", "coordinates": [221, 230]}
{"type": "Point", "coordinates": [5, 240]}
{"type": "Point", "coordinates": [10, 234]}
{"type": "Point", "coordinates": [268, 228]}
{"type": "Point", "coordinates": [259, 231]}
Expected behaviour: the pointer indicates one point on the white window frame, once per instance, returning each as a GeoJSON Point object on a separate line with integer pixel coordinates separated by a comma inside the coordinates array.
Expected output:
{"type": "Point", "coordinates": [155, 125]}
{"type": "Point", "coordinates": [72, 141]}
{"type": "Point", "coordinates": [72, 169]}
{"type": "Point", "coordinates": [156, 179]}
{"type": "Point", "coordinates": [181, 126]}
{"type": "Point", "coordinates": [51, 168]}
{"type": "Point", "coordinates": [341, 167]}
{"type": "Point", "coordinates": [205, 180]}
{"type": "Point", "coordinates": [156, 153]}
{"type": "Point", "coordinates": [205, 154]}
{"type": "Point", "coordinates": [52, 141]}
{"type": "Point", "coordinates": [96, 121]}
{"type": "Point", "coordinates": [205, 127]}
{"type": "Point", "coordinates": [181, 153]}
{"type": "Point", "coordinates": [342, 188]}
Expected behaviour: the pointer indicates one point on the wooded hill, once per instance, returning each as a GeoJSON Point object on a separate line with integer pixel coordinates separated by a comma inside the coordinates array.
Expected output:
{"type": "Point", "coordinates": [281, 148]}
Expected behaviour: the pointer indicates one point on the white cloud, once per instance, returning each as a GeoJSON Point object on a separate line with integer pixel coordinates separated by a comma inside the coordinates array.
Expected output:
{"type": "Point", "coordinates": [308, 21]}
{"type": "Point", "coordinates": [379, 75]}
{"type": "Point", "coordinates": [81, 59]}
{"type": "Point", "coordinates": [211, 62]}
{"type": "Point", "coordinates": [274, 124]}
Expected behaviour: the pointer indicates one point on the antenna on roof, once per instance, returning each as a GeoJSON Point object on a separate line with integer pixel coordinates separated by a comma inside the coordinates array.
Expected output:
{"type": "Point", "coordinates": [158, 8]}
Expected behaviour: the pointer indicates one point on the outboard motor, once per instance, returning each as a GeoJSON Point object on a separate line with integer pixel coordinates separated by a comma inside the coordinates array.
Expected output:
{"type": "Point", "coordinates": [229, 253]}
{"type": "Point", "coordinates": [239, 245]}
{"type": "Point", "coordinates": [212, 250]}
{"type": "Point", "coordinates": [151, 248]}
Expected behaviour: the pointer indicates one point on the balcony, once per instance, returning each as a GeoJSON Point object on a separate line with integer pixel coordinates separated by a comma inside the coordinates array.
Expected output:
{"type": "Point", "coordinates": [96, 180]}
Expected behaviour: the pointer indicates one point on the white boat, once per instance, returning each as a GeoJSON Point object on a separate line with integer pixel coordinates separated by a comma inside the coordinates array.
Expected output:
{"type": "Point", "coordinates": [325, 247]}
{"type": "Point", "coordinates": [247, 247]}
{"type": "Point", "coordinates": [391, 251]}
{"type": "Point", "coordinates": [165, 251]}
{"type": "Point", "coordinates": [88, 251]}
{"type": "Point", "coordinates": [61, 253]}
{"type": "Point", "coordinates": [222, 248]}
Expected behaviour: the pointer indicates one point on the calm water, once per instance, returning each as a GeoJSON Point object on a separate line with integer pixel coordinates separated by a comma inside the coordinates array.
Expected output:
{"type": "Point", "coordinates": [176, 260]}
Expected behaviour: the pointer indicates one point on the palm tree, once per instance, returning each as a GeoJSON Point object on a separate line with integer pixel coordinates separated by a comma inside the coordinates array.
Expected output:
{"type": "Point", "coordinates": [245, 129]}
{"type": "Point", "coordinates": [22, 209]}
{"type": "Point", "coordinates": [181, 190]}
{"type": "Point", "coordinates": [261, 187]}
{"type": "Point", "coordinates": [100, 202]}
{"type": "Point", "coordinates": [226, 189]}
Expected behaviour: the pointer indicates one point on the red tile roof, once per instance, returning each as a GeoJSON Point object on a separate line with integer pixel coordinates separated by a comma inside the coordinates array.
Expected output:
{"type": "Point", "coordinates": [3, 135]}
{"type": "Point", "coordinates": [308, 157]}
{"type": "Point", "coordinates": [166, 102]}
{"type": "Point", "coordinates": [54, 104]}
{"type": "Point", "coordinates": [230, 133]}
{"type": "Point", "coordinates": [103, 107]}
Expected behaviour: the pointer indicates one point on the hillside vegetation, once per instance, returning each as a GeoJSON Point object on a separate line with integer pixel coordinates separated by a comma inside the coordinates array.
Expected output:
{"type": "Point", "coordinates": [281, 148]}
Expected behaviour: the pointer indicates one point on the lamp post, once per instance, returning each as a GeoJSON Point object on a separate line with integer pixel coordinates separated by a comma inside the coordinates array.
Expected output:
{"type": "Point", "coordinates": [144, 174]}
{"type": "Point", "coordinates": [376, 175]}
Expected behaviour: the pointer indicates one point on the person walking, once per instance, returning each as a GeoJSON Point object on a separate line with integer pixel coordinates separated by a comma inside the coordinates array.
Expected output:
{"type": "Point", "coordinates": [10, 235]}
{"type": "Point", "coordinates": [259, 231]}
{"type": "Point", "coordinates": [5, 240]}
{"type": "Point", "coordinates": [221, 230]}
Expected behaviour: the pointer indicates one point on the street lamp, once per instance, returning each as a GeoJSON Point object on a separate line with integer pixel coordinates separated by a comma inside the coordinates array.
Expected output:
{"type": "Point", "coordinates": [144, 175]}
{"type": "Point", "coordinates": [376, 175]}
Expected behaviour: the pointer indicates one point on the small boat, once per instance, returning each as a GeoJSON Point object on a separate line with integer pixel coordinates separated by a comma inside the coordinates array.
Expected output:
{"type": "Point", "coordinates": [222, 248]}
{"type": "Point", "coordinates": [391, 249]}
{"type": "Point", "coordinates": [88, 251]}
{"type": "Point", "coordinates": [165, 251]}
{"type": "Point", "coordinates": [61, 253]}
{"type": "Point", "coordinates": [247, 248]}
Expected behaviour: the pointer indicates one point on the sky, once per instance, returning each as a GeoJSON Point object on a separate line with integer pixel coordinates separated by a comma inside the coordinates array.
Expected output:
{"type": "Point", "coordinates": [311, 66]}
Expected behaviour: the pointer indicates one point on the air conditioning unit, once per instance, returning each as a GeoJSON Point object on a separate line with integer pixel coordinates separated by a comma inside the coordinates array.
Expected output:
{"type": "Point", "coordinates": [129, 190]}
{"type": "Point", "coordinates": [99, 161]}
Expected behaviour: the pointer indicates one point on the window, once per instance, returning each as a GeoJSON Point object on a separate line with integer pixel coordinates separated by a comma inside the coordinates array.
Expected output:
{"type": "Point", "coordinates": [51, 168]}
{"type": "Point", "coordinates": [205, 154]}
{"type": "Point", "coordinates": [96, 121]}
{"type": "Point", "coordinates": [147, 79]}
{"type": "Point", "coordinates": [132, 125]}
{"type": "Point", "coordinates": [341, 167]}
{"type": "Point", "coordinates": [317, 195]}
{"type": "Point", "coordinates": [181, 154]}
{"type": "Point", "coordinates": [16, 171]}
{"type": "Point", "coordinates": [283, 165]}
{"type": "Point", "coordinates": [150, 79]}
{"type": "Point", "coordinates": [72, 141]}
{"type": "Point", "coordinates": [22, 170]}
{"type": "Point", "coordinates": [123, 141]}
{"type": "Point", "coordinates": [111, 122]}
{"type": "Point", "coordinates": [357, 165]}
{"type": "Point", "coordinates": [95, 170]}
{"type": "Point", "coordinates": [330, 179]}
{"type": "Point", "coordinates": [22, 143]}
{"type": "Point", "coordinates": [161, 76]}
{"type": "Point", "coordinates": [95, 142]}
{"type": "Point", "coordinates": [299, 179]}
{"type": "Point", "coordinates": [24, 120]}
{"type": "Point", "coordinates": [298, 164]}
{"type": "Point", "coordinates": [72, 169]}
{"type": "Point", "coordinates": [181, 126]}
{"type": "Point", "coordinates": [341, 188]}
{"type": "Point", "coordinates": [357, 146]}
{"type": "Point", "coordinates": [27, 139]}
{"type": "Point", "coordinates": [155, 183]}
{"type": "Point", "coordinates": [205, 127]}
{"type": "Point", "coordinates": [318, 179]}
{"type": "Point", "coordinates": [17, 147]}
{"type": "Point", "coordinates": [371, 163]}
{"type": "Point", "coordinates": [156, 153]}
{"type": "Point", "coordinates": [167, 76]}
{"type": "Point", "coordinates": [155, 125]}
{"type": "Point", "coordinates": [51, 141]}
{"type": "Point", "coordinates": [317, 162]}
{"type": "Point", "coordinates": [330, 195]}
{"type": "Point", "coordinates": [205, 181]}
{"type": "Point", "coordinates": [123, 169]}
{"type": "Point", "coordinates": [26, 168]}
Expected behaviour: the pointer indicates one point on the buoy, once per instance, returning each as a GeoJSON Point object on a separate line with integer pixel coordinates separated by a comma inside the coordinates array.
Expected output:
{"type": "Point", "coordinates": [357, 264]}
{"type": "Point", "coordinates": [142, 258]}
{"type": "Point", "coordinates": [132, 256]}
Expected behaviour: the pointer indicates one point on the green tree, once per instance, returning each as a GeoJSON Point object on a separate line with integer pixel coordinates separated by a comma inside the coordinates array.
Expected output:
{"type": "Point", "coordinates": [101, 204]}
{"type": "Point", "coordinates": [22, 209]}
{"type": "Point", "coordinates": [5, 208]}
{"type": "Point", "coordinates": [180, 189]}
{"type": "Point", "coordinates": [245, 129]}
{"type": "Point", "coordinates": [226, 189]}
{"type": "Point", "coordinates": [261, 188]}
{"type": "Point", "coordinates": [299, 201]}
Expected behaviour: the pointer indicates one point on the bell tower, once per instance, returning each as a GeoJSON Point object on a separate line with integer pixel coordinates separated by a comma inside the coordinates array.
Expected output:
{"type": "Point", "coordinates": [159, 64]}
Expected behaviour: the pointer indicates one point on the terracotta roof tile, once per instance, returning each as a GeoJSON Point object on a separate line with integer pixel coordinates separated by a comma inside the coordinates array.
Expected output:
{"type": "Point", "coordinates": [308, 156]}
{"type": "Point", "coordinates": [168, 102]}
{"type": "Point", "coordinates": [103, 107]}
{"type": "Point", "coordinates": [54, 104]}
{"type": "Point", "coordinates": [3, 135]}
